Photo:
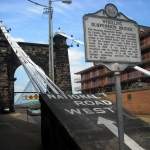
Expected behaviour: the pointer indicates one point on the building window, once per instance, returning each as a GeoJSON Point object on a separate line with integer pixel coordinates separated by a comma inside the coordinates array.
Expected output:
{"type": "Point", "coordinates": [107, 70]}
{"type": "Point", "coordinates": [92, 83]}
{"type": "Point", "coordinates": [97, 82]}
{"type": "Point", "coordinates": [82, 77]}
{"type": "Point", "coordinates": [91, 73]}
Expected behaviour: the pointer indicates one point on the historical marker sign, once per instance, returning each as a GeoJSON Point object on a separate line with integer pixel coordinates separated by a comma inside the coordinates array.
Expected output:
{"type": "Point", "coordinates": [112, 40]}
{"type": "Point", "coordinates": [110, 36]}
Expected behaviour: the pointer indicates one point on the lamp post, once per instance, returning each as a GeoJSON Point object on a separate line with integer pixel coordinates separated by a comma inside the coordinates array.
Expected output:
{"type": "Point", "coordinates": [51, 59]}
{"type": "Point", "coordinates": [50, 11]}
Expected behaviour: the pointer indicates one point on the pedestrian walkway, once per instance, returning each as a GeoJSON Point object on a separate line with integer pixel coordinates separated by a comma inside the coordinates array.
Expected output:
{"type": "Point", "coordinates": [18, 134]}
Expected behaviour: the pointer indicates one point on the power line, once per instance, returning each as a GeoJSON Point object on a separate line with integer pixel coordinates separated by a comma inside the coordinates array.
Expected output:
{"type": "Point", "coordinates": [37, 3]}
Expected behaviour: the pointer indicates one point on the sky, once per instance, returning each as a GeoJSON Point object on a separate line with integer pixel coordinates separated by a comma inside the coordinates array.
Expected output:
{"type": "Point", "coordinates": [29, 24]}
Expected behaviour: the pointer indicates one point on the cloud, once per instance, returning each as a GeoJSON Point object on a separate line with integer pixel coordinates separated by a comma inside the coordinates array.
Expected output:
{"type": "Point", "coordinates": [119, 4]}
{"type": "Point", "coordinates": [35, 10]}
{"type": "Point", "coordinates": [19, 40]}
{"type": "Point", "coordinates": [18, 88]}
{"type": "Point", "coordinates": [5, 8]}
{"type": "Point", "coordinates": [76, 58]}
{"type": "Point", "coordinates": [140, 3]}
{"type": "Point", "coordinates": [40, 42]}
{"type": "Point", "coordinates": [62, 6]}
{"type": "Point", "coordinates": [27, 80]}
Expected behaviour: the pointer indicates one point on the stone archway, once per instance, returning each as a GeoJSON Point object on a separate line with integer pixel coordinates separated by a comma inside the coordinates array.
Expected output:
{"type": "Point", "coordinates": [39, 53]}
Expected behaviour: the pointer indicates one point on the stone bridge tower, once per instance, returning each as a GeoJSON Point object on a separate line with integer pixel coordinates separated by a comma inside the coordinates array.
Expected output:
{"type": "Point", "coordinates": [39, 53]}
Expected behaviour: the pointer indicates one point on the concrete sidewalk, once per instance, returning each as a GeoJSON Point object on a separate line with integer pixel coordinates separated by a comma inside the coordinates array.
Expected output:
{"type": "Point", "coordinates": [17, 134]}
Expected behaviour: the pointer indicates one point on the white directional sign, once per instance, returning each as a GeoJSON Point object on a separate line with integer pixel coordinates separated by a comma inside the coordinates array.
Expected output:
{"type": "Point", "coordinates": [91, 122]}
{"type": "Point", "coordinates": [89, 105]}
{"type": "Point", "coordinates": [128, 141]}
{"type": "Point", "coordinates": [99, 106]}
{"type": "Point", "coordinates": [111, 39]}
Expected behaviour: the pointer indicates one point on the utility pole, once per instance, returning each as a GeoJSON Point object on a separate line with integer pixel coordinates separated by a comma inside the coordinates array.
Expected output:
{"type": "Point", "coordinates": [50, 12]}
{"type": "Point", "coordinates": [51, 54]}
{"type": "Point", "coordinates": [51, 58]}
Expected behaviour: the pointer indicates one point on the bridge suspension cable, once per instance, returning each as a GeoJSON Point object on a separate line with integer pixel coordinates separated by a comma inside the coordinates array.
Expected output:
{"type": "Point", "coordinates": [33, 71]}
{"type": "Point", "coordinates": [69, 37]}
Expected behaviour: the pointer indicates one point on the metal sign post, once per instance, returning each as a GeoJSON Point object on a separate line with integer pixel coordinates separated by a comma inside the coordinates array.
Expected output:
{"type": "Point", "coordinates": [119, 110]}
{"type": "Point", "coordinates": [112, 40]}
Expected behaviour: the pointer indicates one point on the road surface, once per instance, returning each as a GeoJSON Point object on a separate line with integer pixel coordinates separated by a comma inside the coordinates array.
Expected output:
{"type": "Point", "coordinates": [24, 116]}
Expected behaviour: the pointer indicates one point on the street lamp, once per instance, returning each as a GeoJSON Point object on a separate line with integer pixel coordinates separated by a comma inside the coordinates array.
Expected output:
{"type": "Point", "coordinates": [51, 59]}
{"type": "Point", "coordinates": [67, 1]}
{"type": "Point", "coordinates": [50, 11]}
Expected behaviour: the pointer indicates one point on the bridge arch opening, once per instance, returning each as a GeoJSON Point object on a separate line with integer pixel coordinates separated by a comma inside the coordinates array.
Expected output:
{"type": "Point", "coordinates": [29, 96]}
{"type": "Point", "coordinates": [38, 53]}
{"type": "Point", "coordinates": [22, 80]}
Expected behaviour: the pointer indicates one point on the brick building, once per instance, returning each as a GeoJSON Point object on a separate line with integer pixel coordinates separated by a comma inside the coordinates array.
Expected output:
{"type": "Point", "coordinates": [98, 78]}
{"type": "Point", "coordinates": [135, 85]}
